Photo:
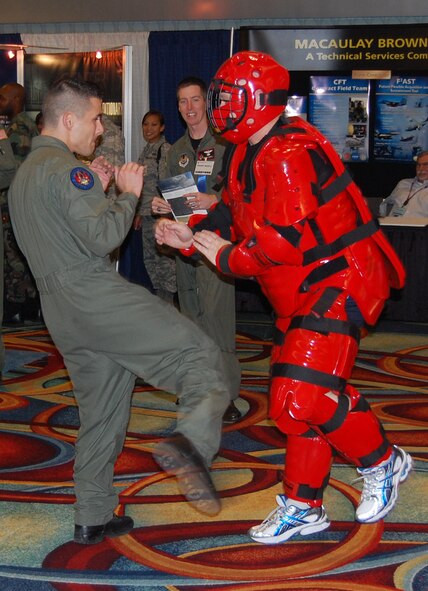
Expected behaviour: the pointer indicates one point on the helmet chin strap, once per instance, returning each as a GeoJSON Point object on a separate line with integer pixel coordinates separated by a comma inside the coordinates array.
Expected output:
{"type": "Point", "coordinates": [274, 98]}
{"type": "Point", "coordinates": [230, 124]}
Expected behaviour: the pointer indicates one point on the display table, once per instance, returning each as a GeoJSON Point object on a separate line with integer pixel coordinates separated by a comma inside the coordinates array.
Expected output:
{"type": "Point", "coordinates": [409, 304]}
{"type": "Point", "coordinates": [411, 244]}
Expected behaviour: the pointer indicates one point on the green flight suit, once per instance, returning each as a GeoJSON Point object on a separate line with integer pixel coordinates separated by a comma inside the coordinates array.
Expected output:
{"type": "Point", "coordinates": [107, 329]}
{"type": "Point", "coordinates": [204, 295]}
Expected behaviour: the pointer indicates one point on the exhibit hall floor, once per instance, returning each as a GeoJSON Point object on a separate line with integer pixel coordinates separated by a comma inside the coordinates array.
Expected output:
{"type": "Point", "coordinates": [173, 547]}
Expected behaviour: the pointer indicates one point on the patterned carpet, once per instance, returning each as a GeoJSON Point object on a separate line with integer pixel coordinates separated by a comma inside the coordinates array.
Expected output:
{"type": "Point", "coordinates": [174, 548]}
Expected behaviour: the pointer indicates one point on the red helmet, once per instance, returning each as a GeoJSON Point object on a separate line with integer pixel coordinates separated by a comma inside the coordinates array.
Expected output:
{"type": "Point", "coordinates": [248, 91]}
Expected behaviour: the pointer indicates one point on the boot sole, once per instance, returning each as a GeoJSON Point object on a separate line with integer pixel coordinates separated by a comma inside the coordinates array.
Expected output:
{"type": "Point", "coordinates": [192, 481]}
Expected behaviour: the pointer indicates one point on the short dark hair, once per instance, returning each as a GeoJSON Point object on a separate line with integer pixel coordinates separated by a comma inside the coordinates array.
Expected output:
{"type": "Point", "coordinates": [157, 114]}
{"type": "Point", "coordinates": [193, 81]}
{"type": "Point", "coordinates": [68, 94]}
{"type": "Point", "coordinates": [420, 154]}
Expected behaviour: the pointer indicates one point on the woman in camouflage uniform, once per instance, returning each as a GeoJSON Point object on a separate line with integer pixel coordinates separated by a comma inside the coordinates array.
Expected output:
{"type": "Point", "coordinates": [159, 263]}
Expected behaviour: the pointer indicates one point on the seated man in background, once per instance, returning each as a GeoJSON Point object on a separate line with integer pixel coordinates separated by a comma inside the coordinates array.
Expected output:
{"type": "Point", "coordinates": [410, 196]}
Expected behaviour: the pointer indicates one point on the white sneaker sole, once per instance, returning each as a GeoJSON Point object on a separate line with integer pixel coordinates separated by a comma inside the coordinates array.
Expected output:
{"type": "Point", "coordinates": [304, 530]}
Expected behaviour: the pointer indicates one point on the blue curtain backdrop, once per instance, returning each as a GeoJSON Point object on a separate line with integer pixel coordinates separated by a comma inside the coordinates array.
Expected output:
{"type": "Point", "coordinates": [176, 55]}
{"type": "Point", "coordinates": [172, 57]}
{"type": "Point", "coordinates": [7, 65]}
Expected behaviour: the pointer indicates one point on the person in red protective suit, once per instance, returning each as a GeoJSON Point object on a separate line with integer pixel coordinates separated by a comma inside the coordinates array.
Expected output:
{"type": "Point", "coordinates": [292, 218]}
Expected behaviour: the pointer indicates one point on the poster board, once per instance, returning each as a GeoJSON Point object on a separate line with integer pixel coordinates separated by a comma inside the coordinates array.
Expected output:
{"type": "Point", "coordinates": [401, 118]}
{"type": "Point", "coordinates": [338, 107]}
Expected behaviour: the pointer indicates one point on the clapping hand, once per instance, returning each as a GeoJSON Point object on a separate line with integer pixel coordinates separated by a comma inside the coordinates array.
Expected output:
{"type": "Point", "coordinates": [104, 170]}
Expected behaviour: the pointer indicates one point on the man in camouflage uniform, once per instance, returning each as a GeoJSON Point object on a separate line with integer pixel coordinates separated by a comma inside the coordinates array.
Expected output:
{"type": "Point", "coordinates": [20, 292]}
{"type": "Point", "coordinates": [8, 166]}
{"type": "Point", "coordinates": [111, 145]}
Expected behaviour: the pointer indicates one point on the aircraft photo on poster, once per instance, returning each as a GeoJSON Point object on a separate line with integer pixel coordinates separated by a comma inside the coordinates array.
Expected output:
{"type": "Point", "coordinates": [401, 129]}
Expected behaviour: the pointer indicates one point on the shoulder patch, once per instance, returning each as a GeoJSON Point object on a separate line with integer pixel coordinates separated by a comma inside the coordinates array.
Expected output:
{"type": "Point", "coordinates": [82, 178]}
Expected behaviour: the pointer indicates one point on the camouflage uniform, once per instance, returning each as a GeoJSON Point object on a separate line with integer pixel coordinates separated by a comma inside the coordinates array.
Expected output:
{"type": "Point", "coordinates": [107, 329]}
{"type": "Point", "coordinates": [8, 163]}
{"type": "Point", "coordinates": [158, 260]}
{"type": "Point", "coordinates": [19, 286]}
{"type": "Point", "coordinates": [8, 166]}
{"type": "Point", "coordinates": [112, 146]}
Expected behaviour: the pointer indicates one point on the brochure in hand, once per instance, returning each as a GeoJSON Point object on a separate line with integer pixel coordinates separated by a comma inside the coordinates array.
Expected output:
{"type": "Point", "coordinates": [173, 190]}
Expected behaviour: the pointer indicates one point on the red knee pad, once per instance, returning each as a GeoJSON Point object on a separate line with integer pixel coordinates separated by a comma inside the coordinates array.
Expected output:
{"type": "Point", "coordinates": [304, 368]}
{"type": "Point", "coordinates": [359, 436]}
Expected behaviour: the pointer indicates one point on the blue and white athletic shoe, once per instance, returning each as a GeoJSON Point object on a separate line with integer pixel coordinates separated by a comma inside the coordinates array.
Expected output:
{"type": "Point", "coordinates": [380, 489]}
{"type": "Point", "coordinates": [288, 520]}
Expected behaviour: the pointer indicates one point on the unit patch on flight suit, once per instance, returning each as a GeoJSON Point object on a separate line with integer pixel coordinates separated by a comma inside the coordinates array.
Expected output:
{"type": "Point", "coordinates": [82, 178]}
{"type": "Point", "coordinates": [183, 160]}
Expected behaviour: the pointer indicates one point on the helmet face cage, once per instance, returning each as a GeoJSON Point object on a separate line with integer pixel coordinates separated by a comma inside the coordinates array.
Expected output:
{"type": "Point", "coordinates": [226, 105]}
{"type": "Point", "coordinates": [248, 91]}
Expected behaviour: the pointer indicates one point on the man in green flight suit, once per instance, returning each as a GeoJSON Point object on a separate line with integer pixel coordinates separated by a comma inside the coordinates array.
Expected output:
{"type": "Point", "coordinates": [109, 330]}
{"type": "Point", "coordinates": [204, 295]}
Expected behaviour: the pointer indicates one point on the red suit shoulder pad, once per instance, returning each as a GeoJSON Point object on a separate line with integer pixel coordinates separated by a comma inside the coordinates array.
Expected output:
{"type": "Point", "coordinates": [288, 168]}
